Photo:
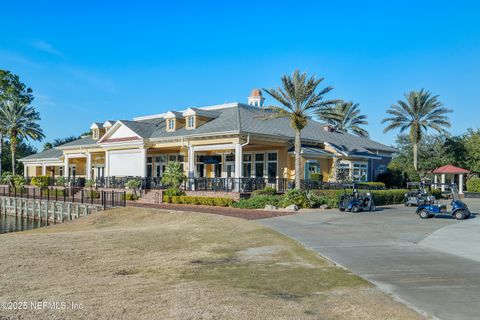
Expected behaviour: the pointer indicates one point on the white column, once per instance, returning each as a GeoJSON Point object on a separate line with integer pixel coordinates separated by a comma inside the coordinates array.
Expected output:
{"type": "Point", "coordinates": [460, 183]}
{"type": "Point", "coordinates": [144, 159]}
{"type": "Point", "coordinates": [107, 164]}
{"type": "Point", "coordinates": [65, 166]}
{"type": "Point", "coordinates": [89, 166]}
{"type": "Point", "coordinates": [238, 165]}
{"type": "Point", "coordinates": [44, 169]}
{"type": "Point", "coordinates": [443, 181]}
{"type": "Point", "coordinates": [25, 170]}
{"type": "Point", "coordinates": [191, 162]}
{"type": "Point", "coordinates": [238, 160]}
{"type": "Point", "coordinates": [435, 181]}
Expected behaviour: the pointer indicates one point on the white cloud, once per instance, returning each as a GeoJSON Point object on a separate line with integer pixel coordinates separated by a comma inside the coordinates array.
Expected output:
{"type": "Point", "coordinates": [46, 47]}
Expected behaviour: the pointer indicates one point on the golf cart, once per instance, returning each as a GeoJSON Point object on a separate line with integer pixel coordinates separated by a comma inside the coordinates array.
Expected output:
{"type": "Point", "coordinates": [418, 194]}
{"type": "Point", "coordinates": [355, 201]}
{"type": "Point", "coordinates": [459, 209]}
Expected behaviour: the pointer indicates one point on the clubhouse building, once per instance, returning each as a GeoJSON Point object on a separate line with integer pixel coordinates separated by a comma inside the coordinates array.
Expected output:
{"type": "Point", "coordinates": [229, 146]}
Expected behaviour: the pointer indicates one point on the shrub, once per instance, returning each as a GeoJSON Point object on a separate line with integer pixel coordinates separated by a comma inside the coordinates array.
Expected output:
{"type": "Point", "coordinates": [259, 202]}
{"type": "Point", "coordinates": [316, 177]}
{"type": "Point", "coordinates": [207, 201]}
{"type": "Point", "coordinates": [437, 193]}
{"type": "Point", "coordinates": [375, 184]}
{"type": "Point", "coordinates": [40, 181]}
{"type": "Point", "coordinates": [18, 181]}
{"type": "Point", "coordinates": [61, 181]}
{"type": "Point", "coordinates": [130, 197]}
{"type": "Point", "coordinates": [392, 178]}
{"type": "Point", "coordinates": [89, 183]}
{"type": "Point", "coordinates": [92, 194]}
{"type": "Point", "coordinates": [51, 193]}
{"type": "Point", "coordinates": [267, 191]}
{"type": "Point", "coordinates": [380, 197]}
{"type": "Point", "coordinates": [473, 185]}
{"type": "Point", "coordinates": [173, 192]}
{"type": "Point", "coordinates": [173, 175]}
{"type": "Point", "coordinates": [297, 197]}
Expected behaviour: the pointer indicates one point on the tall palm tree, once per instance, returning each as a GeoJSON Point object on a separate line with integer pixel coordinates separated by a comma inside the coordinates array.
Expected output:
{"type": "Point", "coordinates": [299, 100]}
{"type": "Point", "coordinates": [20, 121]}
{"type": "Point", "coordinates": [345, 116]}
{"type": "Point", "coordinates": [419, 112]}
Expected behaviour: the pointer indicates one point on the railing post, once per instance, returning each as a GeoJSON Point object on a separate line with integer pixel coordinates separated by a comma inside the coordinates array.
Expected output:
{"type": "Point", "coordinates": [34, 191]}
{"type": "Point", "coordinates": [64, 194]}
{"type": "Point", "coordinates": [72, 194]}
{"type": "Point", "coordinates": [48, 196]}
{"type": "Point", "coordinates": [82, 195]}
{"type": "Point", "coordinates": [124, 198]}
{"type": "Point", "coordinates": [113, 197]}
{"type": "Point", "coordinates": [56, 194]}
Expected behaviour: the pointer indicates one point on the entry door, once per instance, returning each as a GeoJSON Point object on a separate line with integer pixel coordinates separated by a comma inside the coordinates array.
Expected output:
{"type": "Point", "coordinates": [98, 172]}
{"type": "Point", "coordinates": [229, 169]}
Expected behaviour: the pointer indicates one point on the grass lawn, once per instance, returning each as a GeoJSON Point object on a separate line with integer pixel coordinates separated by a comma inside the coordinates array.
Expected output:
{"type": "Point", "coordinates": [136, 263]}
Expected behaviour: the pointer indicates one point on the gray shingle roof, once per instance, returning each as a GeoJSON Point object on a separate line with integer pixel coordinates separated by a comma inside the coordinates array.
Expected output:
{"type": "Point", "coordinates": [84, 141]}
{"type": "Point", "coordinates": [312, 151]}
{"type": "Point", "coordinates": [206, 113]}
{"type": "Point", "coordinates": [47, 154]}
{"type": "Point", "coordinates": [247, 119]}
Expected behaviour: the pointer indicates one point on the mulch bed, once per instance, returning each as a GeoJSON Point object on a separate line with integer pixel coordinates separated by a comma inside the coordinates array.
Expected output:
{"type": "Point", "coordinates": [248, 214]}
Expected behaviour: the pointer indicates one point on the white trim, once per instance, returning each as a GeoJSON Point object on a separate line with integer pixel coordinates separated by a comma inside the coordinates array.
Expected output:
{"type": "Point", "coordinates": [228, 146]}
{"type": "Point", "coordinates": [213, 107]}
{"type": "Point", "coordinates": [113, 129]}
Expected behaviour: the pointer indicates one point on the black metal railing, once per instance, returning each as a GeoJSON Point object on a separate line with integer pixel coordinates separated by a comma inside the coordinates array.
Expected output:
{"type": "Point", "coordinates": [107, 199]}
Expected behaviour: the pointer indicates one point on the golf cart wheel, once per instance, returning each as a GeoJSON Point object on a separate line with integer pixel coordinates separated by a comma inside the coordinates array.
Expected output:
{"type": "Point", "coordinates": [424, 214]}
{"type": "Point", "coordinates": [460, 215]}
{"type": "Point", "coordinates": [355, 209]}
{"type": "Point", "coordinates": [373, 208]}
{"type": "Point", "coordinates": [341, 209]}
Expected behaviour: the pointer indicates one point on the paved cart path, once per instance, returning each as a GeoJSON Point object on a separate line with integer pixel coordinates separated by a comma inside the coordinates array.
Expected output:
{"type": "Point", "coordinates": [398, 252]}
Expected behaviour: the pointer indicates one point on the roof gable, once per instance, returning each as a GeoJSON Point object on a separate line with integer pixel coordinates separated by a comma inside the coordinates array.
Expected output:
{"type": "Point", "coordinates": [120, 132]}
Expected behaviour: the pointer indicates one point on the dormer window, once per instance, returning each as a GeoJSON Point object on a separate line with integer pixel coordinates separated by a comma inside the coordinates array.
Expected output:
{"type": "Point", "coordinates": [191, 122]}
{"type": "Point", "coordinates": [171, 124]}
{"type": "Point", "coordinates": [95, 134]}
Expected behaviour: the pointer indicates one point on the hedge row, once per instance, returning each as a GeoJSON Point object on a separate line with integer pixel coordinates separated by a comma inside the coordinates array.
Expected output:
{"type": "Point", "coordinates": [208, 201]}
{"type": "Point", "coordinates": [380, 197]}
{"type": "Point", "coordinates": [473, 185]}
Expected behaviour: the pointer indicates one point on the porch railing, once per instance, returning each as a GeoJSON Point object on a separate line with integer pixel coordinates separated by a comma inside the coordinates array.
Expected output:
{"type": "Point", "coordinates": [107, 199]}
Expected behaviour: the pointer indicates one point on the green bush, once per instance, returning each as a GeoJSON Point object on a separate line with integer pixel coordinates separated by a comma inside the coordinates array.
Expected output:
{"type": "Point", "coordinates": [92, 194]}
{"type": "Point", "coordinates": [40, 181]}
{"type": "Point", "coordinates": [18, 181]}
{"type": "Point", "coordinates": [173, 192]}
{"type": "Point", "coordinates": [267, 191]}
{"type": "Point", "coordinates": [380, 197]}
{"type": "Point", "coordinates": [207, 201]}
{"type": "Point", "coordinates": [259, 202]}
{"type": "Point", "coordinates": [298, 197]}
{"type": "Point", "coordinates": [89, 183]}
{"type": "Point", "coordinates": [61, 181]}
{"type": "Point", "coordinates": [437, 193]}
{"type": "Point", "coordinates": [473, 185]}
{"type": "Point", "coordinates": [130, 197]}
{"type": "Point", "coordinates": [316, 177]}
{"type": "Point", "coordinates": [51, 192]}
{"type": "Point", "coordinates": [377, 184]}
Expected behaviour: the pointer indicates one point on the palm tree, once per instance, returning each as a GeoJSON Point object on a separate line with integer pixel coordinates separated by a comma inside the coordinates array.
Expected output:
{"type": "Point", "coordinates": [299, 100]}
{"type": "Point", "coordinates": [345, 116]}
{"type": "Point", "coordinates": [19, 120]}
{"type": "Point", "coordinates": [419, 112]}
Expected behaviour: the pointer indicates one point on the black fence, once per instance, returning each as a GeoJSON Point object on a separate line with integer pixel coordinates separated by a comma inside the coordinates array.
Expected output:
{"type": "Point", "coordinates": [107, 199]}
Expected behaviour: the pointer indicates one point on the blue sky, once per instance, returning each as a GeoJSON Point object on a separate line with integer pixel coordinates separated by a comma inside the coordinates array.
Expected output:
{"type": "Point", "coordinates": [90, 62]}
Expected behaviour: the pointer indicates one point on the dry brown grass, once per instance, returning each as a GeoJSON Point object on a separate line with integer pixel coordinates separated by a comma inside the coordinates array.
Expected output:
{"type": "Point", "coordinates": [137, 263]}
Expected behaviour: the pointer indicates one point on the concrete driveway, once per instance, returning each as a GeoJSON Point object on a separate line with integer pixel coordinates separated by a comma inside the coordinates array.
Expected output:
{"type": "Point", "coordinates": [431, 265]}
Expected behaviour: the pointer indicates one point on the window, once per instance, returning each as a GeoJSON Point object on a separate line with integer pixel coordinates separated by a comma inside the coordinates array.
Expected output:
{"type": "Point", "coordinates": [343, 171]}
{"type": "Point", "coordinates": [360, 171]}
{"type": "Point", "coordinates": [259, 165]}
{"type": "Point", "coordinates": [172, 157]}
{"type": "Point", "coordinates": [247, 165]}
{"type": "Point", "coordinates": [171, 124]}
{"type": "Point", "coordinates": [272, 167]}
{"type": "Point", "coordinates": [190, 122]}
{"type": "Point", "coordinates": [259, 157]}
{"type": "Point", "coordinates": [181, 158]}
{"type": "Point", "coordinates": [230, 157]}
{"type": "Point", "coordinates": [149, 167]}
{"type": "Point", "coordinates": [95, 133]}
